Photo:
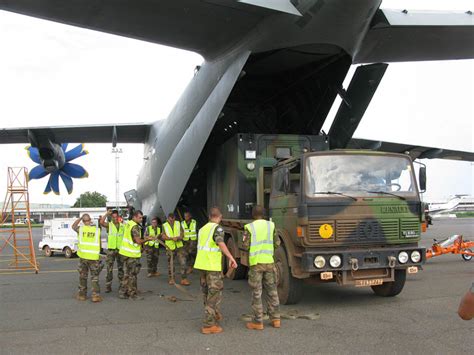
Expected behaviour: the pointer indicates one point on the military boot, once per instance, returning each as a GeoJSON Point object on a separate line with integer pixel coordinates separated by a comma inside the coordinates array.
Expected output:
{"type": "Point", "coordinates": [213, 329]}
{"type": "Point", "coordinates": [171, 282]}
{"type": "Point", "coordinates": [81, 296]}
{"type": "Point", "coordinates": [185, 282]}
{"type": "Point", "coordinates": [96, 298]}
{"type": "Point", "coordinates": [276, 323]}
{"type": "Point", "coordinates": [254, 326]}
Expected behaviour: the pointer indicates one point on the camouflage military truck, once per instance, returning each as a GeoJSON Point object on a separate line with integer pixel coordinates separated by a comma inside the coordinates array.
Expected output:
{"type": "Point", "coordinates": [347, 216]}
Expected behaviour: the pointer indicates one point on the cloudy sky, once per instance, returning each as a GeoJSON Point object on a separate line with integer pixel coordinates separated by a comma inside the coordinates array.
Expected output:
{"type": "Point", "coordinates": [52, 74]}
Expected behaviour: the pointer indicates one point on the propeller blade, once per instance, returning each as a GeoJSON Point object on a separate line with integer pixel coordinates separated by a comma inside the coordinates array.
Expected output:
{"type": "Point", "coordinates": [67, 181]}
{"type": "Point", "coordinates": [47, 190]}
{"type": "Point", "coordinates": [54, 181]}
{"type": "Point", "coordinates": [37, 172]}
{"type": "Point", "coordinates": [76, 152]}
{"type": "Point", "coordinates": [33, 153]}
{"type": "Point", "coordinates": [64, 146]}
{"type": "Point", "coordinates": [74, 170]}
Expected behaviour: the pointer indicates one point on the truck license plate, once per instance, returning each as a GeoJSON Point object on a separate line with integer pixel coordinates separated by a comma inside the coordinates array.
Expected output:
{"type": "Point", "coordinates": [371, 282]}
{"type": "Point", "coordinates": [326, 275]}
{"type": "Point", "coordinates": [413, 269]}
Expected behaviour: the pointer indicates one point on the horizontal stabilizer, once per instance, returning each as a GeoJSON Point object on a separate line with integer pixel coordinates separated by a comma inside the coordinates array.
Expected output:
{"type": "Point", "coordinates": [416, 152]}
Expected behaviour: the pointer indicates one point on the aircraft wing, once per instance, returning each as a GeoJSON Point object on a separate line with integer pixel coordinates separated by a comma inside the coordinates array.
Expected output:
{"type": "Point", "coordinates": [398, 36]}
{"type": "Point", "coordinates": [415, 151]}
{"type": "Point", "coordinates": [123, 133]}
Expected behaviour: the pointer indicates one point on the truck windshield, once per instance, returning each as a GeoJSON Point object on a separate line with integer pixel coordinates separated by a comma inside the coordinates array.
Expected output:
{"type": "Point", "coordinates": [359, 175]}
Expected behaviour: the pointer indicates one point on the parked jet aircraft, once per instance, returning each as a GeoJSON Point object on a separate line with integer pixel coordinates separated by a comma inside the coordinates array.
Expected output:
{"type": "Point", "coordinates": [269, 67]}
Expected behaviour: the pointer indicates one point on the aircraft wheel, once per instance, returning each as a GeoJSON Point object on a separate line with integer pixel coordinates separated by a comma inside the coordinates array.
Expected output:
{"type": "Point", "coordinates": [393, 288]}
{"type": "Point", "coordinates": [47, 251]}
{"type": "Point", "coordinates": [67, 252]}
{"type": "Point", "coordinates": [290, 289]}
{"type": "Point", "coordinates": [467, 257]}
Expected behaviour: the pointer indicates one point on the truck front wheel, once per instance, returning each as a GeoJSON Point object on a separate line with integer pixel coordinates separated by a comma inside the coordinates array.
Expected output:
{"type": "Point", "coordinates": [290, 289]}
{"type": "Point", "coordinates": [390, 289]}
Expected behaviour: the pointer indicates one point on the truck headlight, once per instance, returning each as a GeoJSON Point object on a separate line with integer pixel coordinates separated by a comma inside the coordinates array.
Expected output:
{"type": "Point", "coordinates": [319, 262]}
{"type": "Point", "coordinates": [335, 261]}
{"type": "Point", "coordinates": [415, 256]}
{"type": "Point", "coordinates": [403, 257]}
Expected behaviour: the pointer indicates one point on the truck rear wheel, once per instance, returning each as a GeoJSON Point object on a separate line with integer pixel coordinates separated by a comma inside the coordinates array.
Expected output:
{"type": "Point", "coordinates": [467, 257]}
{"type": "Point", "coordinates": [241, 271]}
{"type": "Point", "coordinates": [47, 251]}
{"type": "Point", "coordinates": [290, 289]}
{"type": "Point", "coordinates": [67, 252]}
{"type": "Point", "coordinates": [390, 289]}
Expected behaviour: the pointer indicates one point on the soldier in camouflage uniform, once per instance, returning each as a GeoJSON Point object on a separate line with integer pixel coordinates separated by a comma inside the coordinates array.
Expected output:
{"type": "Point", "coordinates": [173, 237]}
{"type": "Point", "coordinates": [131, 254]}
{"type": "Point", "coordinates": [152, 249]}
{"type": "Point", "coordinates": [259, 238]}
{"type": "Point", "coordinates": [189, 226]}
{"type": "Point", "coordinates": [211, 245]}
{"type": "Point", "coordinates": [114, 235]}
{"type": "Point", "coordinates": [89, 254]}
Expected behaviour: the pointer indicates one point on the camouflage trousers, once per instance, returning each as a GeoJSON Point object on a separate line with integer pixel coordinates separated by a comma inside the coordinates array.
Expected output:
{"type": "Point", "coordinates": [128, 286]}
{"type": "Point", "coordinates": [95, 267]}
{"type": "Point", "coordinates": [152, 258]}
{"type": "Point", "coordinates": [180, 254]}
{"type": "Point", "coordinates": [113, 256]}
{"type": "Point", "coordinates": [262, 280]}
{"type": "Point", "coordinates": [190, 247]}
{"type": "Point", "coordinates": [212, 284]}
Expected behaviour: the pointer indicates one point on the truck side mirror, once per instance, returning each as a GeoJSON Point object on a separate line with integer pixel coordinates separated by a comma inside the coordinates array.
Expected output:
{"type": "Point", "coordinates": [422, 177]}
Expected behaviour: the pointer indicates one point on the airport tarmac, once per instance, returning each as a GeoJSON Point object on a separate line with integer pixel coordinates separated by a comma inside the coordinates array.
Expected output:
{"type": "Point", "coordinates": [40, 315]}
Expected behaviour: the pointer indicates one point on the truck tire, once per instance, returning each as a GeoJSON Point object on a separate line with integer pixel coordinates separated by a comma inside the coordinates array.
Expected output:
{"type": "Point", "coordinates": [290, 289]}
{"type": "Point", "coordinates": [47, 251]}
{"type": "Point", "coordinates": [467, 257]}
{"type": "Point", "coordinates": [390, 289]}
{"type": "Point", "coordinates": [67, 252]}
{"type": "Point", "coordinates": [241, 272]}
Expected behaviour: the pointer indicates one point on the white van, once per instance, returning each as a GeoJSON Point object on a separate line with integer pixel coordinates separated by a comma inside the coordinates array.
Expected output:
{"type": "Point", "coordinates": [59, 237]}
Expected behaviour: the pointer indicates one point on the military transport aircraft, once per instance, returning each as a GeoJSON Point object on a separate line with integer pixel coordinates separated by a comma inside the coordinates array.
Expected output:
{"type": "Point", "coordinates": [269, 67]}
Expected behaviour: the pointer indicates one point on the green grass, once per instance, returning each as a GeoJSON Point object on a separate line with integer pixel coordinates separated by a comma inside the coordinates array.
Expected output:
{"type": "Point", "coordinates": [465, 214]}
{"type": "Point", "coordinates": [35, 225]}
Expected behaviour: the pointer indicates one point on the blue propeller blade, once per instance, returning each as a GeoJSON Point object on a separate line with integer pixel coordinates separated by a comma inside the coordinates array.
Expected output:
{"type": "Point", "coordinates": [37, 172]}
{"type": "Point", "coordinates": [67, 182]}
{"type": "Point", "coordinates": [76, 152]}
{"type": "Point", "coordinates": [64, 146]}
{"type": "Point", "coordinates": [33, 154]}
{"type": "Point", "coordinates": [47, 190]}
{"type": "Point", "coordinates": [74, 170]}
{"type": "Point", "coordinates": [54, 180]}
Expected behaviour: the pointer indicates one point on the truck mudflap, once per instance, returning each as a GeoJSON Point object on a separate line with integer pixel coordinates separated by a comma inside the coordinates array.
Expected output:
{"type": "Point", "coordinates": [358, 267]}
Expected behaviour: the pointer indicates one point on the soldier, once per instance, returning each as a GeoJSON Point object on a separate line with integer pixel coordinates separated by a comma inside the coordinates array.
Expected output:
{"type": "Point", "coordinates": [152, 248]}
{"type": "Point", "coordinates": [173, 237]}
{"type": "Point", "coordinates": [211, 245]}
{"type": "Point", "coordinates": [131, 254]}
{"type": "Point", "coordinates": [190, 240]}
{"type": "Point", "coordinates": [88, 250]}
{"type": "Point", "coordinates": [259, 238]}
{"type": "Point", "coordinates": [114, 241]}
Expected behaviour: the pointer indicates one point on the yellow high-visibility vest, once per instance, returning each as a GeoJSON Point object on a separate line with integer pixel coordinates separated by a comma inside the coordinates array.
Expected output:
{"type": "Point", "coordinates": [88, 245]}
{"type": "Point", "coordinates": [209, 255]}
{"type": "Point", "coordinates": [129, 247]}
{"type": "Point", "coordinates": [115, 236]}
{"type": "Point", "coordinates": [151, 233]}
{"type": "Point", "coordinates": [189, 231]}
{"type": "Point", "coordinates": [261, 241]}
{"type": "Point", "coordinates": [171, 233]}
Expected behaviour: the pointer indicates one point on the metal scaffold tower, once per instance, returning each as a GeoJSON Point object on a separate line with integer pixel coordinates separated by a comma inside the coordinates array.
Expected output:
{"type": "Point", "coordinates": [16, 238]}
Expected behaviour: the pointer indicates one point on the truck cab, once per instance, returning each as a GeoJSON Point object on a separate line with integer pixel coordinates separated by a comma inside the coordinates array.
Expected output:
{"type": "Point", "coordinates": [347, 216]}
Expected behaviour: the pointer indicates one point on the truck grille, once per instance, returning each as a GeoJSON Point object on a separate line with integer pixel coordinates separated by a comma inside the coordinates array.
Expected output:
{"type": "Point", "coordinates": [410, 224]}
{"type": "Point", "coordinates": [356, 231]}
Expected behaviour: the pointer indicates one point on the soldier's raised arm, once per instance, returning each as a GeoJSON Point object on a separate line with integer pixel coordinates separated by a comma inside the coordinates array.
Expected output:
{"type": "Point", "coordinates": [102, 221]}
{"type": "Point", "coordinates": [75, 225]}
